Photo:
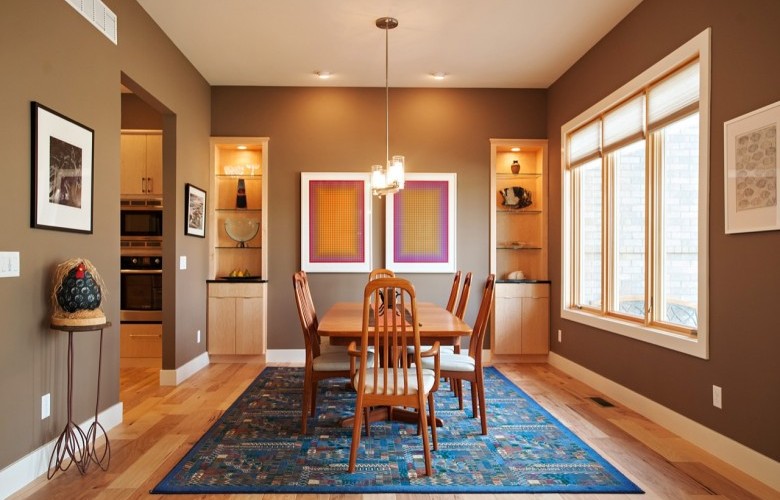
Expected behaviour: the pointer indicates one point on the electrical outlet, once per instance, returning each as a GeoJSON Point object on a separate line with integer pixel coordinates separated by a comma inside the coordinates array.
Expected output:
{"type": "Point", "coordinates": [717, 397]}
{"type": "Point", "coordinates": [45, 406]}
{"type": "Point", "coordinates": [560, 336]}
{"type": "Point", "coordinates": [197, 337]}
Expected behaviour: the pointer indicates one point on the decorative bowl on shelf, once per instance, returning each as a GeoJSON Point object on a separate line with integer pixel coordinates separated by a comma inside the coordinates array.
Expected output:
{"type": "Point", "coordinates": [241, 230]}
{"type": "Point", "coordinates": [516, 197]}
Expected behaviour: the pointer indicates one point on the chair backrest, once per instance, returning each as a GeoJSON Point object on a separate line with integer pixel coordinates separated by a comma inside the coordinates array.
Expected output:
{"type": "Point", "coordinates": [464, 297]}
{"type": "Point", "coordinates": [306, 315]}
{"type": "Point", "coordinates": [389, 334]}
{"type": "Point", "coordinates": [380, 273]}
{"type": "Point", "coordinates": [480, 325]}
{"type": "Point", "coordinates": [309, 300]}
{"type": "Point", "coordinates": [454, 292]}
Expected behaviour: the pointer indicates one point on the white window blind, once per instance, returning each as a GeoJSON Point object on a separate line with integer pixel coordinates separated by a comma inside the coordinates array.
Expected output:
{"type": "Point", "coordinates": [585, 144]}
{"type": "Point", "coordinates": [624, 124]}
{"type": "Point", "coordinates": [674, 96]}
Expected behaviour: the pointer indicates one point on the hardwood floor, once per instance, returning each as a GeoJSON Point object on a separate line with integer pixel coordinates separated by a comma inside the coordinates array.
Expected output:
{"type": "Point", "coordinates": [162, 423]}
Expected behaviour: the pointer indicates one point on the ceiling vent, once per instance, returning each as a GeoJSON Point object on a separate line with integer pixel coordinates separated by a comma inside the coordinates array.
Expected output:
{"type": "Point", "coordinates": [99, 15]}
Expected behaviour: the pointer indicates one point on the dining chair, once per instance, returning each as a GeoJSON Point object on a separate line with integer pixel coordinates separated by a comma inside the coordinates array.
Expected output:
{"type": "Point", "coordinates": [469, 366]}
{"type": "Point", "coordinates": [392, 381]}
{"type": "Point", "coordinates": [318, 365]}
{"type": "Point", "coordinates": [380, 273]}
{"type": "Point", "coordinates": [454, 292]}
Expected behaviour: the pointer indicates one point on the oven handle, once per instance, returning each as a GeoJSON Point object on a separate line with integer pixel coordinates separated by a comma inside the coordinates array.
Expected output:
{"type": "Point", "coordinates": [140, 271]}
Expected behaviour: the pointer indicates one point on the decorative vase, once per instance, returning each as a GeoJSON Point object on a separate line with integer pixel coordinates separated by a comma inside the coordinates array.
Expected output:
{"type": "Point", "coordinates": [515, 167]}
{"type": "Point", "coordinates": [241, 194]}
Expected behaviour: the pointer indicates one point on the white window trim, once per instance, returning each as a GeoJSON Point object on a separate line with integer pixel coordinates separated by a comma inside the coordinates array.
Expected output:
{"type": "Point", "coordinates": [699, 346]}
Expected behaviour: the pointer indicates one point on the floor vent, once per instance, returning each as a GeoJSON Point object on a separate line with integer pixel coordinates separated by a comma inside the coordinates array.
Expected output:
{"type": "Point", "coordinates": [601, 402]}
{"type": "Point", "coordinates": [99, 15]}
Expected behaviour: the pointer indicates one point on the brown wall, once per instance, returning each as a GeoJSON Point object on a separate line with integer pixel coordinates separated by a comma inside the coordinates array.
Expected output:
{"type": "Point", "coordinates": [744, 269]}
{"type": "Point", "coordinates": [52, 55]}
{"type": "Point", "coordinates": [343, 130]}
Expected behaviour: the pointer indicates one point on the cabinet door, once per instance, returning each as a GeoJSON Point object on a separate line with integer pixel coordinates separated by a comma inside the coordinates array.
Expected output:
{"type": "Point", "coordinates": [249, 330]}
{"type": "Point", "coordinates": [140, 340]}
{"type": "Point", "coordinates": [133, 164]}
{"type": "Point", "coordinates": [222, 325]}
{"type": "Point", "coordinates": [154, 165]}
{"type": "Point", "coordinates": [508, 317]}
{"type": "Point", "coordinates": [535, 325]}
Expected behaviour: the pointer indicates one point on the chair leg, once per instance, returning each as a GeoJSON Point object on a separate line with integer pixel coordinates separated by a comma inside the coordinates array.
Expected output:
{"type": "Point", "coordinates": [355, 435]}
{"type": "Point", "coordinates": [474, 394]}
{"type": "Point", "coordinates": [432, 418]}
{"type": "Point", "coordinates": [423, 423]}
{"type": "Point", "coordinates": [306, 400]}
{"type": "Point", "coordinates": [482, 409]}
{"type": "Point", "coordinates": [459, 390]}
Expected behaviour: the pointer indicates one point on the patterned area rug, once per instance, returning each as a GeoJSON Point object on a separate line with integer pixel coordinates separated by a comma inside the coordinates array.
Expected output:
{"type": "Point", "coordinates": [257, 447]}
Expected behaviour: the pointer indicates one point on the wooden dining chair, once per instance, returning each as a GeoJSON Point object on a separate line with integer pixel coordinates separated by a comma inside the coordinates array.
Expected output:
{"type": "Point", "coordinates": [469, 366]}
{"type": "Point", "coordinates": [318, 365]}
{"type": "Point", "coordinates": [380, 273]}
{"type": "Point", "coordinates": [454, 292]}
{"type": "Point", "coordinates": [393, 381]}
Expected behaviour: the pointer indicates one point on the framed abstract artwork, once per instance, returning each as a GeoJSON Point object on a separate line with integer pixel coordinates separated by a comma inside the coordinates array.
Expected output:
{"type": "Point", "coordinates": [62, 172]}
{"type": "Point", "coordinates": [335, 222]}
{"type": "Point", "coordinates": [194, 211]}
{"type": "Point", "coordinates": [420, 225]}
{"type": "Point", "coordinates": [752, 171]}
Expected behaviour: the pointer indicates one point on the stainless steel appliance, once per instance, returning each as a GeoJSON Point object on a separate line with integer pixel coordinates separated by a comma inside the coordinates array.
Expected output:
{"type": "Point", "coordinates": [141, 226]}
{"type": "Point", "coordinates": [141, 288]}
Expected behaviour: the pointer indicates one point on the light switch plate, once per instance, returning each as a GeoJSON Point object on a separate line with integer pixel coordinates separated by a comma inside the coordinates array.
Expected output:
{"type": "Point", "coordinates": [9, 264]}
{"type": "Point", "coordinates": [182, 262]}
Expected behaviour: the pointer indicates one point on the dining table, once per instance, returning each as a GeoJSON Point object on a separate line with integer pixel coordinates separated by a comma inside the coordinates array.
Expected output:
{"type": "Point", "coordinates": [343, 323]}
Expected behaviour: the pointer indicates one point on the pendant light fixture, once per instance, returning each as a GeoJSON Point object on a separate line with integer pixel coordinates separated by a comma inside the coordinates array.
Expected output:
{"type": "Point", "coordinates": [389, 180]}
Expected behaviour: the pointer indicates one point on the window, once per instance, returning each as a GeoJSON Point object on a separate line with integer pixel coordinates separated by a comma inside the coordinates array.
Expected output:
{"type": "Point", "coordinates": [635, 175]}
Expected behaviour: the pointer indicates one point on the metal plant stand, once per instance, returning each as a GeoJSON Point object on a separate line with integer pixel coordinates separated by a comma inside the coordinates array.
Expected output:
{"type": "Point", "coordinates": [74, 446]}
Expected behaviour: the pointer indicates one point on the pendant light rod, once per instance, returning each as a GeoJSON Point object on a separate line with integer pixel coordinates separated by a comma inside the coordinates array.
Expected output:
{"type": "Point", "coordinates": [387, 23]}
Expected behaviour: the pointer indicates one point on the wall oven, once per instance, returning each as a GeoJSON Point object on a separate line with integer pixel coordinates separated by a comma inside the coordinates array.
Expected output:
{"type": "Point", "coordinates": [141, 288]}
{"type": "Point", "coordinates": [141, 225]}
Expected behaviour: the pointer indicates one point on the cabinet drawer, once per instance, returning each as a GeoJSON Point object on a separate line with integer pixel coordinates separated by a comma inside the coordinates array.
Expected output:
{"type": "Point", "coordinates": [527, 290]}
{"type": "Point", "coordinates": [236, 289]}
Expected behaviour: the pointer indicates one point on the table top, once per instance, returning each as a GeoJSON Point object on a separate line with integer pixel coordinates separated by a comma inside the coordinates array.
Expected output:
{"type": "Point", "coordinates": [345, 320]}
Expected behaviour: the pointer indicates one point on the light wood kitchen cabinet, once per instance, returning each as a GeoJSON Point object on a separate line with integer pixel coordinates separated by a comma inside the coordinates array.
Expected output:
{"type": "Point", "coordinates": [142, 165]}
{"type": "Point", "coordinates": [236, 318]}
{"type": "Point", "coordinates": [140, 340]}
{"type": "Point", "coordinates": [522, 319]}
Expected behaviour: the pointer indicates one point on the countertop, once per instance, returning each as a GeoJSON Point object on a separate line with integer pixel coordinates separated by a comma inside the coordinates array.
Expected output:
{"type": "Point", "coordinates": [522, 281]}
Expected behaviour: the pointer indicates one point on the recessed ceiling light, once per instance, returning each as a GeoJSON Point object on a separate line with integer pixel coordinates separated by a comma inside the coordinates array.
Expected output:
{"type": "Point", "coordinates": [241, 147]}
{"type": "Point", "coordinates": [323, 75]}
{"type": "Point", "coordinates": [515, 149]}
{"type": "Point", "coordinates": [439, 75]}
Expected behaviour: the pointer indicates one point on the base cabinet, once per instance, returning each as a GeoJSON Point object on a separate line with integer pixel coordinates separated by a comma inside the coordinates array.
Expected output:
{"type": "Point", "coordinates": [140, 340]}
{"type": "Point", "coordinates": [236, 318]}
{"type": "Point", "coordinates": [522, 319]}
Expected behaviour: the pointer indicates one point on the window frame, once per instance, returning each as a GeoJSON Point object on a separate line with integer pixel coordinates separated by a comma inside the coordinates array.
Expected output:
{"type": "Point", "coordinates": [653, 331]}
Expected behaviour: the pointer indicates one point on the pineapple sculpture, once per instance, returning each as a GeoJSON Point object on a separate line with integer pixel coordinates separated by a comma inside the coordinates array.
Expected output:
{"type": "Point", "coordinates": [77, 294]}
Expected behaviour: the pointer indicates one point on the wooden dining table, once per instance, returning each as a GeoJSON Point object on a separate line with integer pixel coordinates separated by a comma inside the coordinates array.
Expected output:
{"type": "Point", "coordinates": [343, 323]}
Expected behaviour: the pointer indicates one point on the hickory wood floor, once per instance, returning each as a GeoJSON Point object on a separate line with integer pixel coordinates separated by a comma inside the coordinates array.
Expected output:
{"type": "Point", "coordinates": [162, 423]}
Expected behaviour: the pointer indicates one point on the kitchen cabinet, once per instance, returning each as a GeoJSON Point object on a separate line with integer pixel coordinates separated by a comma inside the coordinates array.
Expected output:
{"type": "Point", "coordinates": [140, 340]}
{"type": "Point", "coordinates": [141, 163]}
{"type": "Point", "coordinates": [522, 319]}
{"type": "Point", "coordinates": [519, 247]}
{"type": "Point", "coordinates": [236, 318]}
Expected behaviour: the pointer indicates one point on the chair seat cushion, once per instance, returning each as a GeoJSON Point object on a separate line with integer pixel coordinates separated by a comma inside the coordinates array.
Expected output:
{"type": "Point", "coordinates": [336, 361]}
{"type": "Point", "coordinates": [396, 386]}
{"type": "Point", "coordinates": [452, 363]}
{"type": "Point", "coordinates": [443, 349]}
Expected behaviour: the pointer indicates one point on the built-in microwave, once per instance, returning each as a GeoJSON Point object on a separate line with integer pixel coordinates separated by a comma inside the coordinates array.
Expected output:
{"type": "Point", "coordinates": [141, 218]}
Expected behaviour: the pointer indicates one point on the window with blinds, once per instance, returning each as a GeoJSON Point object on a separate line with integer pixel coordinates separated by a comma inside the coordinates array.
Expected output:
{"type": "Point", "coordinates": [635, 171]}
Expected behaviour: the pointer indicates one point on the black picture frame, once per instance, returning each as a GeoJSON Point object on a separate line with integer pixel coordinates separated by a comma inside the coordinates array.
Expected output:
{"type": "Point", "coordinates": [194, 211]}
{"type": "Point", "coordinates": [62, 172]}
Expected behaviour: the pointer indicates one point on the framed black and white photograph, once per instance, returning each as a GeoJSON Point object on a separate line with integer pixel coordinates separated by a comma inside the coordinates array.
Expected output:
{"type": "Point", "coordinates": [752, 170]}
{"type": "Point", "coordinates": [195, 211]}
{"type": "Point", "coordinates": [62, 172]}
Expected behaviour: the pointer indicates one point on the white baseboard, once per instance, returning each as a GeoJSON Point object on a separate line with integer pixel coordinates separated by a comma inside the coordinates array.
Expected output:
{"type": "Point", "coordinates": [36, 463]}
{"type": "Point", "coordinates": [736, 454]}
{"type": "Point", "coordinates": [185, 371]}
{"type": "Point", "coordinates": [285, 356]}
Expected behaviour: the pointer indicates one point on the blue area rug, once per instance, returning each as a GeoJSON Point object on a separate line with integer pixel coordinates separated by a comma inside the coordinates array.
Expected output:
{"type": "Point", "coordinates": [256, 447]}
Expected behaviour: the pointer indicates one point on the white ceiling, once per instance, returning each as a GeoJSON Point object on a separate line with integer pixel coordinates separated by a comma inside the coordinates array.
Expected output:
{"type": "Point", "coordinates": [478, 44]}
